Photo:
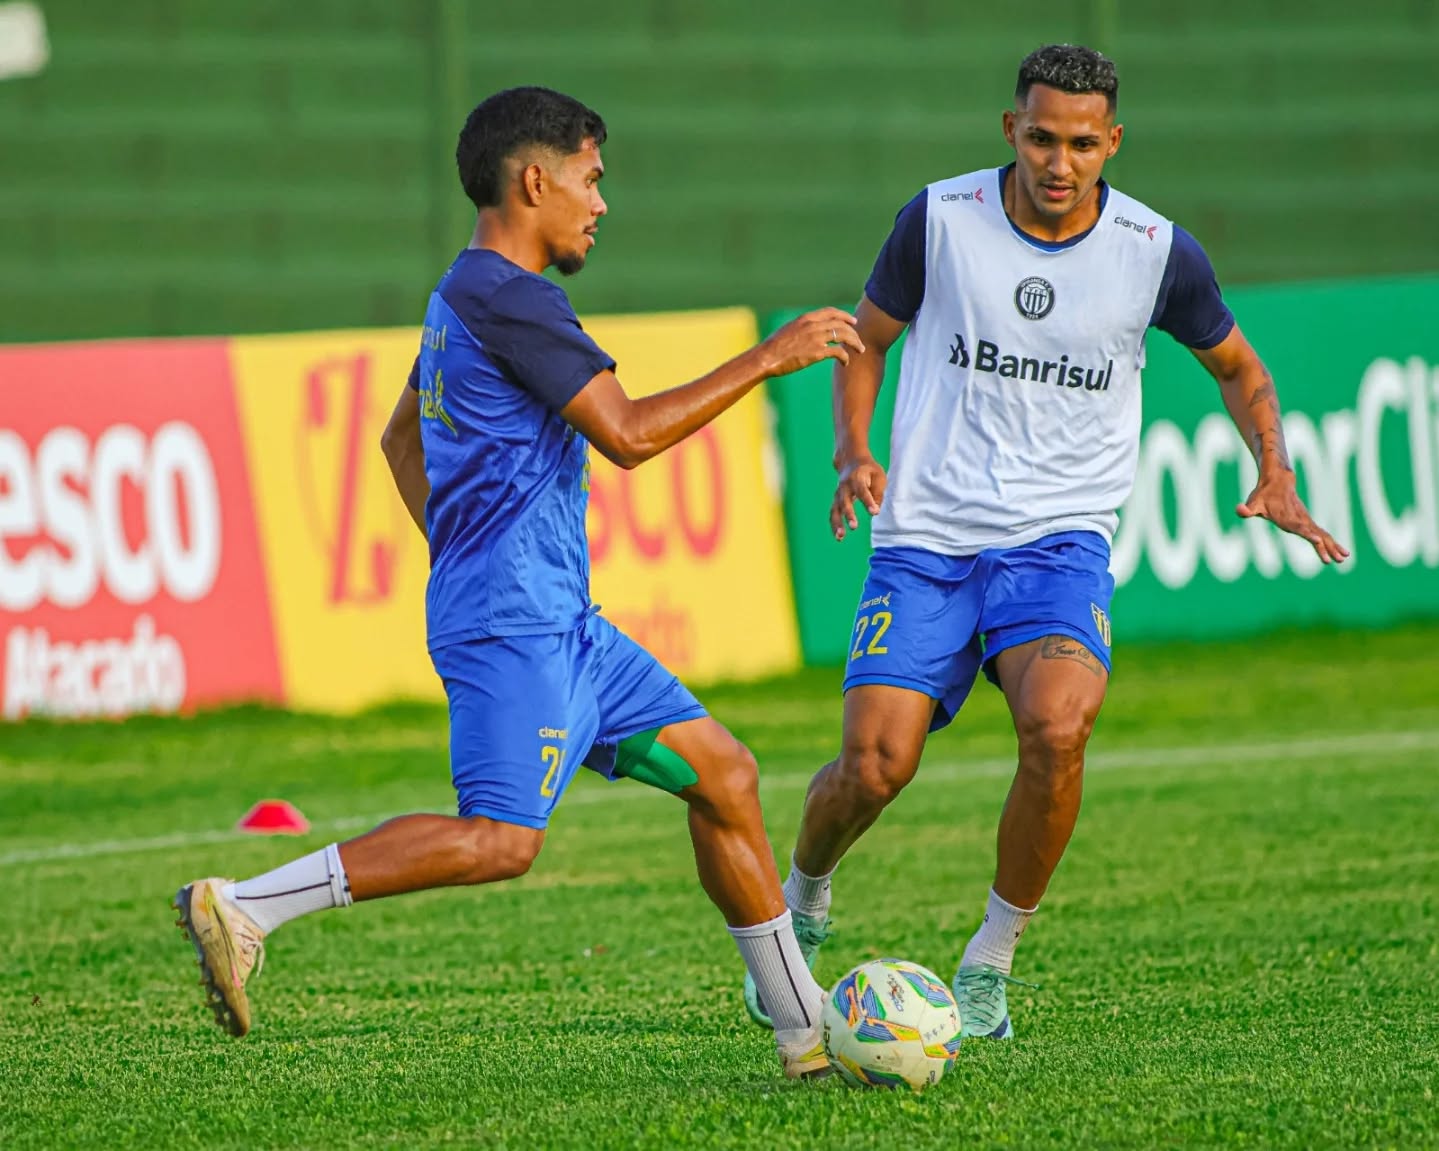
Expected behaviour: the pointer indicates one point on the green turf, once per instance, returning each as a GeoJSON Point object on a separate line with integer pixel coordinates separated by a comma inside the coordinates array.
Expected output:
{"type": "Point", "coordinates": [1239, 950]}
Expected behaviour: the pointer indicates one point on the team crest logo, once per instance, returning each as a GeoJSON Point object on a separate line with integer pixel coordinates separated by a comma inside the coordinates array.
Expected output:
{"type": "Point", "coordinates": [1101, 621]}
{"type": "Point", "coordinates": [1034, 298]}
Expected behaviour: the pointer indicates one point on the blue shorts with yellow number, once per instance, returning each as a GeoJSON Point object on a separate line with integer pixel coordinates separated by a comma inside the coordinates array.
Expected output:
{"type": "Point", "coordinates": [526, 711]}
{"type": "Point", "coordinates": [930, 622]}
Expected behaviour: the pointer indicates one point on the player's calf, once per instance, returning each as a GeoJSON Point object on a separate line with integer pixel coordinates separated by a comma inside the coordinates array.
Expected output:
{"type": "Point", "coordinates": [227, 921]}
{"type": "Point", "coordinates": [419, 852]}
{"type": "Point", "coordinates": [736, 868]}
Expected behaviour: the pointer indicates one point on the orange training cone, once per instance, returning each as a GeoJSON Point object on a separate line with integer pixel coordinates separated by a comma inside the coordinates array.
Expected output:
{"type": "Point", "coordinates": [274, 817]}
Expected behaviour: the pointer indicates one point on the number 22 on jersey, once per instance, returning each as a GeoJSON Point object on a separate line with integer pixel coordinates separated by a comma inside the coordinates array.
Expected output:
{"type": "Point", "coordinates": [871, 627]}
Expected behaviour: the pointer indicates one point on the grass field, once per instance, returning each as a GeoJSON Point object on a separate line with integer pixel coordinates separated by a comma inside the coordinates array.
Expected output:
{"type": "Point", "coordinates": [1239, 950]}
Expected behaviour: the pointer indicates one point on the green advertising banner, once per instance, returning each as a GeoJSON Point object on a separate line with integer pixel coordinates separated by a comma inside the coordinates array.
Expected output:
{"type": "Point", "coordinates": [1357, 368]}
{"type": "Point", "coordinates": [828, 574]}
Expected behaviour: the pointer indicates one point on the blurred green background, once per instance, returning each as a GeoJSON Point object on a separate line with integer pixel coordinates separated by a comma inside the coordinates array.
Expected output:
{"type": "Point", "coordinates": [184, 168]}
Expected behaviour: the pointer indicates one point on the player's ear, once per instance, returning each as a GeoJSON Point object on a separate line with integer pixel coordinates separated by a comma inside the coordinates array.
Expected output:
{"type": "Point", "coordinates": [1116, 134]}
{"type": "Point", "coordinates": [533, 178]}
{"type": "Point", "coordinates": [1007, 122]}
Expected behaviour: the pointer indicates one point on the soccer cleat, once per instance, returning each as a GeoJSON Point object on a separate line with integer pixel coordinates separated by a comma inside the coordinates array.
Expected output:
{"type": "Point", "coordinates": [983, 1008]}
{"type": "Point", "coordinates": [229, 948]}
{"type": "Point", "coordinates": [810, 931]}
{"type": "Point", "coordinates": [806, 1062]}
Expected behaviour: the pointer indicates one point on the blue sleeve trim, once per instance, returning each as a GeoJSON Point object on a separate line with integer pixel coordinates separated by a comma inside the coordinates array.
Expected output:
{"type": "Point", "coordinates": [1189, 306]}
{"type": "Point", "coordinates": [532, 333]}
{"type": "Point", "coordinates": [896, 285]}
{"type": "Point", "coordinates": [414, 380]}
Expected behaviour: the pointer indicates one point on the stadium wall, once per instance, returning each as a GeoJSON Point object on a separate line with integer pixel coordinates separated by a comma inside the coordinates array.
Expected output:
{"type": "Point", "coordinates": [187, 169]}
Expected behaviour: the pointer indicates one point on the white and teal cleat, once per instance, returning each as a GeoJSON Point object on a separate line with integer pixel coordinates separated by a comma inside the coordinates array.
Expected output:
{"type": "Point", "coordinates": [983, 1007]}
{"type": "Point", "coordinates": [810, 931]}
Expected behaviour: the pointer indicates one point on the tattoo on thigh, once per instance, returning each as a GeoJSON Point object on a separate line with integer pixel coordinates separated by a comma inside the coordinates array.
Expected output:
{"type": "Point", "coordinates": [1062, 647]}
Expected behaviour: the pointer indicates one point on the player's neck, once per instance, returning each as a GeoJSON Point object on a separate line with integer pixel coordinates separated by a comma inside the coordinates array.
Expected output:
{"type": "Point", "coordinates": [518, 247]}
{"type": "Point", "coordinates": [1028, 220]}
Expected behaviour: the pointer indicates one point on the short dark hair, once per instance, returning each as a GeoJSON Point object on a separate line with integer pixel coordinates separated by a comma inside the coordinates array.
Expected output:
{"type": "Point", "coordinates": [1070, 68]}
{"type": "Point", "coordinates": [513, 119]}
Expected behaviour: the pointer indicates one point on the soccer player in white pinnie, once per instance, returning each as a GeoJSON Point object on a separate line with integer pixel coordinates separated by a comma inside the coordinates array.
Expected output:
{"type": "Point", "coordinates": [1028, 291]}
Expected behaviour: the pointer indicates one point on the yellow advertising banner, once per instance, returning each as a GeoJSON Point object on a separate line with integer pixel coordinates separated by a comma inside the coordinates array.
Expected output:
{"type": "Point", "coordinates": [345, 565]}
{"type": "Point", "coordinates": [687, 552]}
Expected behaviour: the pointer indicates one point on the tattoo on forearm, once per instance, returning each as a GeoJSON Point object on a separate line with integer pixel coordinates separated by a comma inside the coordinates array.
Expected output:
{"type": "Point", "coordinates": [1271, 439]}
{"type": "Point", "coordinates": [1265, 393]}
{"type": "Point", "coordinates": [1062, 647]}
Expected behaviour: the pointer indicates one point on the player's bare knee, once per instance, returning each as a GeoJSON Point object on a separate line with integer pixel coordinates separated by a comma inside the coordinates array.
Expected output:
{"type": "Point", "coordinates": [729, 781]}
{"type": "Point", "coordinates": [1054, 740]}
{"type": "Point", "coordinates": [498, 851]}
{"type": "Point", "coordinates": [823, 780]}
{"type": "Point", "coordinates": [744, 771]}
{"type": "Point", "coordinates": [873, 773]}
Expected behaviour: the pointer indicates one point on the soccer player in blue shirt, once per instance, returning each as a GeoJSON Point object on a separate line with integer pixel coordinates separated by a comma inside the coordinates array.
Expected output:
{"type": "Point", "coordinates": [489, 447]}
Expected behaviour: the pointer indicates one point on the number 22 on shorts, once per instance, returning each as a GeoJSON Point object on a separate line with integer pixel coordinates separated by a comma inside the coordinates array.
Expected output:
{"type": "Point", "coordinates": [874, 626]}
{"type": "Point", "coordinates": [555, 758]}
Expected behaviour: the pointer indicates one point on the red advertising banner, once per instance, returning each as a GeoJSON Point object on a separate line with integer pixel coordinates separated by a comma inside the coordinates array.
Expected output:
{"type": "Point", "coordinates": [130, 573]}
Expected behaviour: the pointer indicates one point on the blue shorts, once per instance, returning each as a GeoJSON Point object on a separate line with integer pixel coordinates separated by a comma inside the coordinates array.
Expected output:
{"type": "Point", "coordinates": [929, 622]}
{"type": "Point", "coordinates": [526, 711]}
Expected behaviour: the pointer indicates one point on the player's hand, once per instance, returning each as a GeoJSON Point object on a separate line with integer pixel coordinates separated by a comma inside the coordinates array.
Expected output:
{"type": "Point", "coordinates": [827, 334]}
{"type": "Point", "coordinates": [1276, 500]}
{"type": "Point", "coordinates": [861, 481]}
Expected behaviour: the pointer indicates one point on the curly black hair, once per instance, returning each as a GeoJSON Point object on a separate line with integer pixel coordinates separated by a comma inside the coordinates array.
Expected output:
{"type": "Point", "coordinates": [513, 119]}
{"type": "Point", "coordinates": [1070, 68]}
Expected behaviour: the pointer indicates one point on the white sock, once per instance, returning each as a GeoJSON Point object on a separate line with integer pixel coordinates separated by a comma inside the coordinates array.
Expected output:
{"type": "Point", "coordinates": [315, 882]}
{"type": "Point", "coordinates": [807, 894]}
{"type": "Point", "coordinates": [790, 994]}
{"type": "Point", "coordinates": [993, 944]}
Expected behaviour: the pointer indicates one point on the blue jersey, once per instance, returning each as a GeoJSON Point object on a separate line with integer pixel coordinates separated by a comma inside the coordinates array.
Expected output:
{"type": "Point", "coordinates": [502, 353]}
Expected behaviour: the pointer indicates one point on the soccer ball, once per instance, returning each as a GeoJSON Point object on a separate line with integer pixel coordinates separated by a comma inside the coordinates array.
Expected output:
{"type": "Point", "coordinates": [891, 1023]}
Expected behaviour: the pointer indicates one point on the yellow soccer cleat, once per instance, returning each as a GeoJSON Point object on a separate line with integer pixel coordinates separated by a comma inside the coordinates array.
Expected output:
{"type": "Point", "coordinates": [806, 1062]}
{"type": "Point", "coordinates": [229, 948]}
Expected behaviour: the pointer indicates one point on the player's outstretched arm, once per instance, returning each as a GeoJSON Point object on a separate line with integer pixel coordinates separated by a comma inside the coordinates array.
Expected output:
{"type": "Point", "coordinates": [1253, 404]}
{"type": "Point", "coordinates": [405, 452]}
{"type": "Point", "coordinates": [629, 431]}
{"type": "Point", "coordinates": [856, 389]}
